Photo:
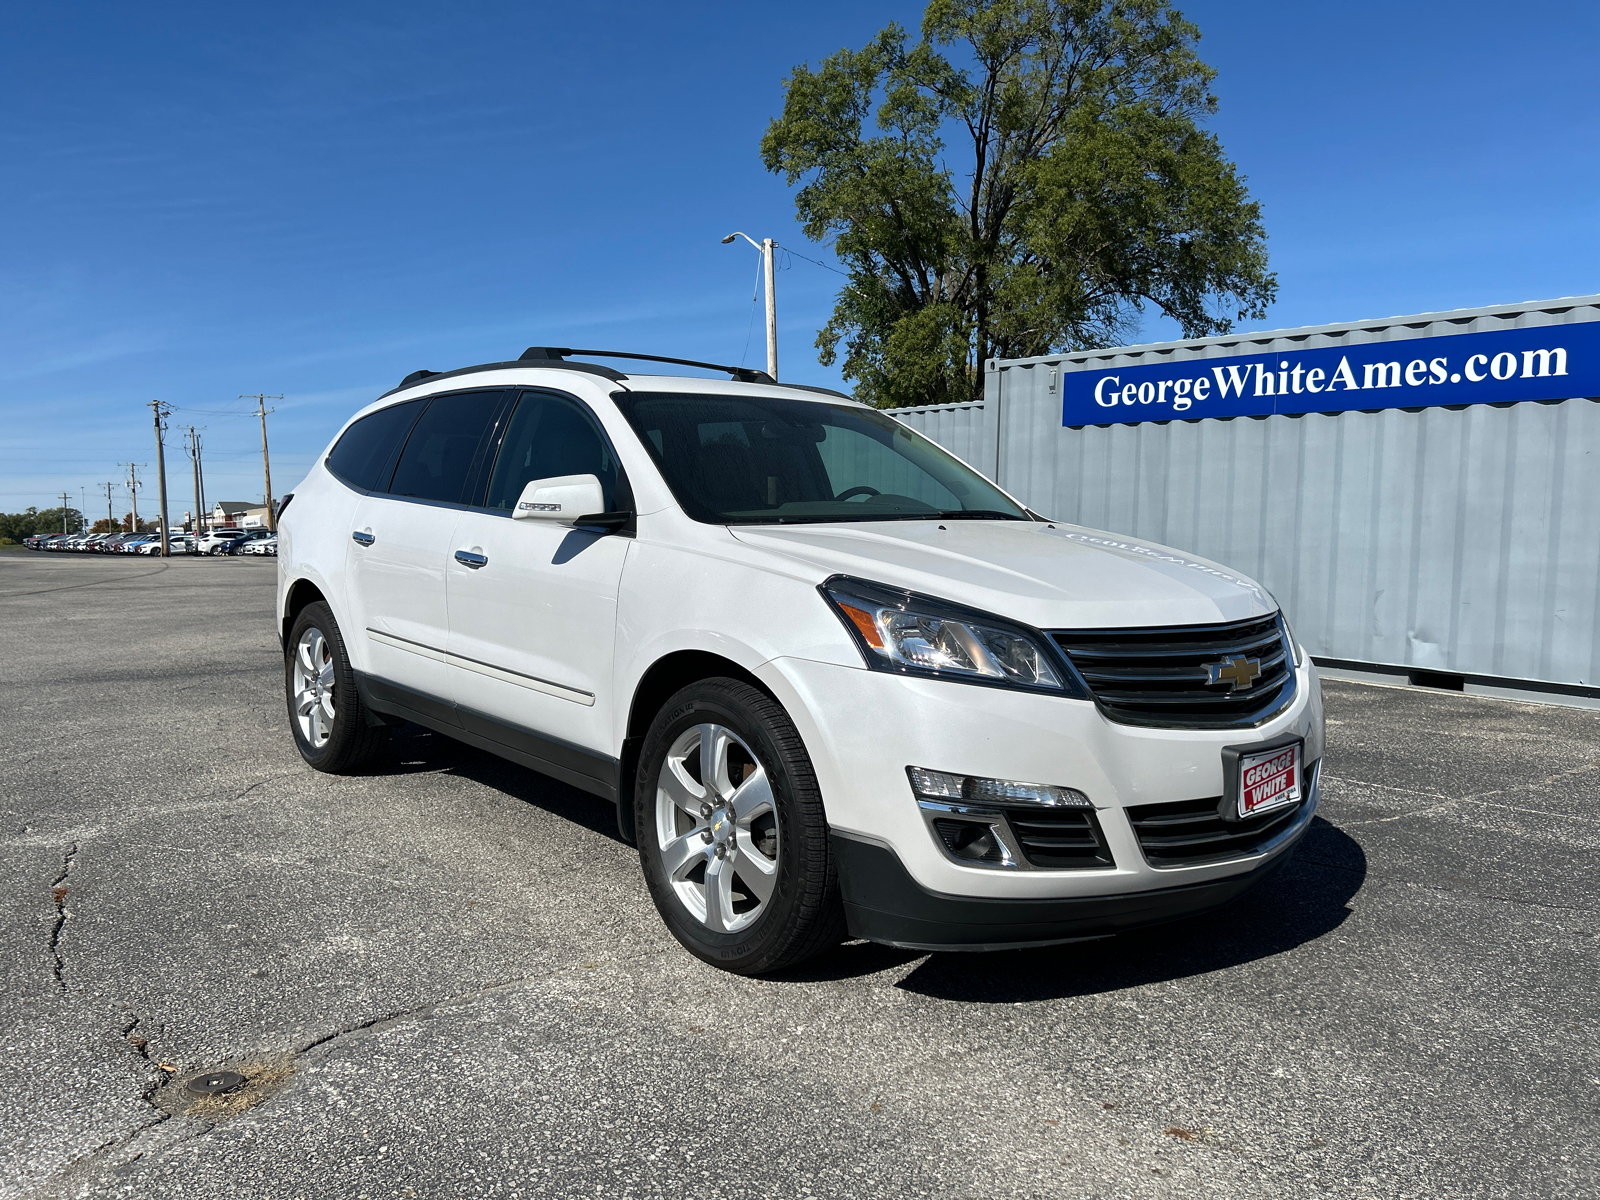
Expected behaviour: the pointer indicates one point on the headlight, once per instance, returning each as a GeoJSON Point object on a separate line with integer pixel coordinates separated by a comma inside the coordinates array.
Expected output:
{"type": "Point", "coordinates": [1294, 642]}
{"type": "Point", "coordinates": [919, 635]}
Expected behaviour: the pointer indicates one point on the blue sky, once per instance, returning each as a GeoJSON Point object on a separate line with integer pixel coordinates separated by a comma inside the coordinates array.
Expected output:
{"type": "Point", "coordinates": [210, 199]}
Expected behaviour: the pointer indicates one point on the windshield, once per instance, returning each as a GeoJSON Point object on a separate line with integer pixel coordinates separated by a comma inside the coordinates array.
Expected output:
{"type": "Point", "coordinates": [749, 460]}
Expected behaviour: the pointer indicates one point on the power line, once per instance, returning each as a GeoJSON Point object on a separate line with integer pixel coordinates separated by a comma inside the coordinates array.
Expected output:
{"type": "Point", "coordinates": [755, 293]}
{"type": "Point", "coordinates": [823, 265]}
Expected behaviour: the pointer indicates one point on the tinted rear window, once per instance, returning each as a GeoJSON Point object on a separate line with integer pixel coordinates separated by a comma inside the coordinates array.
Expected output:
{"type": "Point", "coordinates": [443, 452]}
{"type": "Point", "coordinates": [365, 454]}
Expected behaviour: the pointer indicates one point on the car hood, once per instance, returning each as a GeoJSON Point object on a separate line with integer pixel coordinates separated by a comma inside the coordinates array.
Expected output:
{"type": "Point", "coordinates": [1050, 576]}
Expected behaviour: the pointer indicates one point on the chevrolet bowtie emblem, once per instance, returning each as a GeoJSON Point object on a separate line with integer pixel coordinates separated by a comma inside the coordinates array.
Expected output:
{"type": "Point", "coordinates": [1241, 672]}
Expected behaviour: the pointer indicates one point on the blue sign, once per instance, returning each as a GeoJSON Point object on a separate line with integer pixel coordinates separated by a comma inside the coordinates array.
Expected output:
{"type": "Point", "coordinates": [1552, 362]}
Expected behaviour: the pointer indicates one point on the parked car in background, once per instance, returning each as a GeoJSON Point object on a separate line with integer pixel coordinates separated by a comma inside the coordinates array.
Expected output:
{"type": "Point", "coordinates": [176, 543]}
{"type": "Point", "coordinates": [267, 546]}
{"type": "Point", "coordinates": [218, 541]}
{"type": "Point", "coordinates": [251, 537]}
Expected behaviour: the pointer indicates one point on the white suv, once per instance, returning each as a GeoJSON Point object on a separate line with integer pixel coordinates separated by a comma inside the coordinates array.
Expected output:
{"type": "Point", "coordinates": [218, 541]}
{"type": "Point", "coordinates": [835, 681]}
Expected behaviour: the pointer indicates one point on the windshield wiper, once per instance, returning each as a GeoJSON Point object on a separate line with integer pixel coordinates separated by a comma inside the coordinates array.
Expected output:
{"type": "Point", "coordinates": [975, 514]}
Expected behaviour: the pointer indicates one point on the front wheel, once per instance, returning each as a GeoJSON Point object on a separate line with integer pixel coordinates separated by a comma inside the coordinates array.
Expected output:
{"type": "Point", "coordinates": [330, 724]}
{"type": "Point", "coordinates": [732, 835]}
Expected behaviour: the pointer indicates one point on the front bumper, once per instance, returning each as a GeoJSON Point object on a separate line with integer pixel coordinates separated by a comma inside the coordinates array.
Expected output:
{"type": "Point", "coordinates": [864, 728]}
{"type": "Point", "coordinates": [882, 903]}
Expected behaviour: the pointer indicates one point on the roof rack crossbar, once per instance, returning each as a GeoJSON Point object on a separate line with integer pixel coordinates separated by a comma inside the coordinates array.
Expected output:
{"type": "Point", "coordinates": [740, 374]}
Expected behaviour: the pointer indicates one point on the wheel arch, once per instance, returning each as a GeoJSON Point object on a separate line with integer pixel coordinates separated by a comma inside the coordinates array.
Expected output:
{"type": "Point", "coordinates": [302, 592]}
{"type": "Point", "coordinates": [660, 681]}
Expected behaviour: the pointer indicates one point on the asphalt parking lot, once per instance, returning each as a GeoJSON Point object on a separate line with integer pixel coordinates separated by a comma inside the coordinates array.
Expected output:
{"type": "Point", "coordinates": [445, 978]}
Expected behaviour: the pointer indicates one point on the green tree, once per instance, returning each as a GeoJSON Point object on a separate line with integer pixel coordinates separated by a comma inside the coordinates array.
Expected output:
{"type": "Point", "coordinates": [17, 526]}
{"type": "Point", "coordinates": [1081, 188]}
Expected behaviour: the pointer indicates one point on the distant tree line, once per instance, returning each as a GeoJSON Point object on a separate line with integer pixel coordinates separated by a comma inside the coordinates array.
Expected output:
{"type": "Point", "coordinates": [16, 526]}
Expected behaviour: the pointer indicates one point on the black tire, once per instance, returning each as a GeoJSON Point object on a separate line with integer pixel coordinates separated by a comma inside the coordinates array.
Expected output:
{"type": "Point", "coordinates": [353, 741]}
{"type": "Point", "coordinates": [804, 914]}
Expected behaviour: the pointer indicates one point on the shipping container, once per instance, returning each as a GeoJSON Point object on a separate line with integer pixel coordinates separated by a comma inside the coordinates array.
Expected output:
{"type": "Point", "coordinates": [1431, 505]}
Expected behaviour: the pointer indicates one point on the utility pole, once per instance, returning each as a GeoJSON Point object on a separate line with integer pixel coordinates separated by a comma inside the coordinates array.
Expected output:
{"type": "Point", "coordinates": [111, 521]}
{"type": "Point", "coordinates": [194, 456]}
{"type": "Point", "coordinates": [161, 410]}
{"type": "Point", "coordinates": [133, 492]}
{"type": "Point", "coordinates": [262, 410]}
{"type": "Point", "coordinates": [767, 246]}
{"type": "Point", "coordinates": [63, 512]}
{"type": "Point", "coordinates": [200, 466]}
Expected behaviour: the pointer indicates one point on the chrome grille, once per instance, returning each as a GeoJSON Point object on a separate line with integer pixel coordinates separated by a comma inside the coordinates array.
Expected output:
{"type": "Point", "coordinates": [1060, 838]}
{"type": "Point", "coordinates": [1187, 833]}
{"type": "Point", "coordinates": [1160, 676]}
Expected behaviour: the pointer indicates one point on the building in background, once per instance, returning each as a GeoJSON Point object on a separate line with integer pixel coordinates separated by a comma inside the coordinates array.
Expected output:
{"type": "Point", "coordinates": [1422, 494]}
{"type": "Point", "coordinates": [239, 514]}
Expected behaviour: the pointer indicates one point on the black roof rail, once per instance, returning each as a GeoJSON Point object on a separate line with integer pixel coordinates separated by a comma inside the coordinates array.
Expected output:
{"type": "Point", "coordinates": [557, 353]}
{"type": "Point", "coordinates": [555, 357]}
{"type": "Point", "coordinates": [811, 387]}
{"type": "Point", "coordinates": [588, 368]}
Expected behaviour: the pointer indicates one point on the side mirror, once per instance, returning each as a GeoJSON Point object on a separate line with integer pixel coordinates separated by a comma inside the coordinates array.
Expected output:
{"type": "Point", "coordinates": [568, 500]}
{"type": "Point", "coordinates": [563, 498]}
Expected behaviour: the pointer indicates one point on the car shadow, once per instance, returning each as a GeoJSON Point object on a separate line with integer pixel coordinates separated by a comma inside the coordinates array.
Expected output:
{"type": "Point", "coordinates": [415, 750]}
{"type": "Point", "coordinates": [1305, 900]}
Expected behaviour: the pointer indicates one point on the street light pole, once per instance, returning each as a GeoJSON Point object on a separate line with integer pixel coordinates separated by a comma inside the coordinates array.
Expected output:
{"type": "Point", "coordinates": [766, 246]}
{"type": "Point", "coordinates": [262, 410]}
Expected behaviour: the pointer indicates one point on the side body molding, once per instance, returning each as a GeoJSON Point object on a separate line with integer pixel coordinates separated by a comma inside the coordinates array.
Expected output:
{"type": "Point", "coordinates": [586, 770]}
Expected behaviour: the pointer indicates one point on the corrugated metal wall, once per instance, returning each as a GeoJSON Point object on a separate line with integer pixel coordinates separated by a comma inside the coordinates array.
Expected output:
{"type": "Point", "coordinates": [966, 430]}
{"type": "Point", "coordinates": [1464, 540]}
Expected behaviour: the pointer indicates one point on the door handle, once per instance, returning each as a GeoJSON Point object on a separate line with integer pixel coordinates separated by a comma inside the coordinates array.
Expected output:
{"type": "Point", "coordinates": [363, 537]}
{"type": "Point", "coordinates": [468, 559]}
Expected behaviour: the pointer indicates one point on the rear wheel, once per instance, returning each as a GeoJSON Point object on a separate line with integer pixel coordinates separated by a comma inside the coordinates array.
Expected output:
{"type": "Point", "coordinates": [330, 724]}
{"type": "Point", "coordinates": [732, 835]}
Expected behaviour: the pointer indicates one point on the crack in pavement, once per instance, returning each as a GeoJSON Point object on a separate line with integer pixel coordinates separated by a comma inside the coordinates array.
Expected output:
{"type": "Point", "coordinates": [84, 1169]}
{"type": "Point", "coordinates": [1482, 798]}
{"type": "Point", "coordinates": [141, 1046]}
{"type": "Point", "coordinates": [379, 1024]}
{"type": "Point", "coordinates": [58, 896]}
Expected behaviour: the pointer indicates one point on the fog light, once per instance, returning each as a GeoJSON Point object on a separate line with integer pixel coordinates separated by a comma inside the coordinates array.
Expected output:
{"type": "Point", "coordinates": [970, 841]}
{"type": "Point", "coordinates": [941, 785]}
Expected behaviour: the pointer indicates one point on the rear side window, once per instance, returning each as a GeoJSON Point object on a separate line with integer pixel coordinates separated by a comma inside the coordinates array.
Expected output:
{"type": "Point", "coordinates": [365, 454]}
{"type": "Point", "coordinates": [446, 446]}
{"type": "Point", "coordinates": [549, 436]}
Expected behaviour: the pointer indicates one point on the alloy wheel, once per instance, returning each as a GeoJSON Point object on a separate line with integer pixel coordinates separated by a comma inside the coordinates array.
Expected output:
{"type": "Point", "coordinates": [313, 687]}
{"type": "Point", "coordinates": [717, 827]}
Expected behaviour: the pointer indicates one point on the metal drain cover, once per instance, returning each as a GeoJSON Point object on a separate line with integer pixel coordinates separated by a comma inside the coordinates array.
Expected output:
{"type": "Point", "coordinates": [214, 1083]}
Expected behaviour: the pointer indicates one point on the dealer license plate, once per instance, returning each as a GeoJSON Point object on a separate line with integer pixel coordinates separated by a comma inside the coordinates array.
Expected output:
{"type": "Point", "coordinates": [1269, 780]}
